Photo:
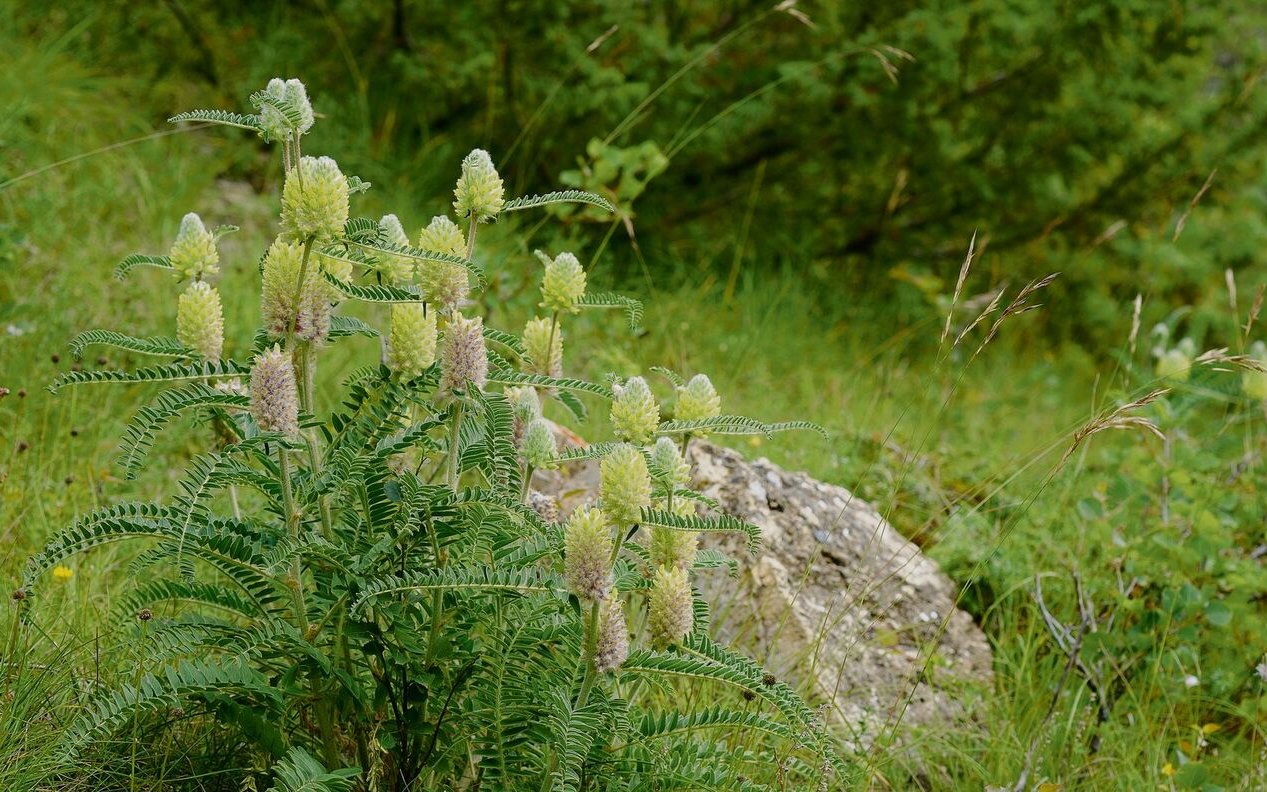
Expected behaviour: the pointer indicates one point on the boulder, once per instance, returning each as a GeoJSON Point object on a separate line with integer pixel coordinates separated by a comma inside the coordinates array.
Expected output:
{"type": "Point", "coordinates": [836, 601]}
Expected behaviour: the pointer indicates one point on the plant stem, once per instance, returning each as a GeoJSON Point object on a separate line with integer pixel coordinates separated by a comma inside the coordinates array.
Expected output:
{"type": "Point", "coordinates": [547, 364]}
{"type": "Point", "coordinates": [454, 475]}
{"type": "Point", "coordinates": [587, 656]}
{"type": "Point", "coordinates": [455, 450]}
{"type": "Point", "coordinates": [470, 238]}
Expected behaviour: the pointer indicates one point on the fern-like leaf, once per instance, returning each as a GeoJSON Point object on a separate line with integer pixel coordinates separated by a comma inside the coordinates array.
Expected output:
{"type": "Point", "coordinates": [560, 196]}
{"type": "Point", "coordinates": [736, 425]}
{"type": "Point", "coordinates": [508, 377]}
{"type": "Point", "coordinates": [144, 427]}
{"type": "Point", "coordinates": [135, 260]}
{"type": "Point", "coordinates": [631, 307]}
{"type": "Point", "coordinates": [299, 772]}
{"type": "Point", "coordinates": [163, 346]}
{"type": "Point", "coordinates": [375, 293]}
{"type": "Point", "coordinates": [157, 692]}
{"type": "Point", "coordinates": [208, 369]}
{"type": "Point", "coordinates": [251, 122]}
{"type": "Point", "coordinates": [722, 523]}
{"type": "Point", "coordinates": [450, 578]}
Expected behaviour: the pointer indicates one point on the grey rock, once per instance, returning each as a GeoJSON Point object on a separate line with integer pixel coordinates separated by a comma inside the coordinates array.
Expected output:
{"type": "Point", "coordinates": [836, 602]}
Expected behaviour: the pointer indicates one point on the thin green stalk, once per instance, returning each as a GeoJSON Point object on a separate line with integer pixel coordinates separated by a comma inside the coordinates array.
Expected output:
{"type": "Point", "coordinates": [454, 475]}
{"type": "Point", "coordinates": [587, 657]}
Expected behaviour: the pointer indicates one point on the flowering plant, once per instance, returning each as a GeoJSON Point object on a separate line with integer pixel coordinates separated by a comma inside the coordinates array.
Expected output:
{"type": "Point", "coordinates": [377, 596]}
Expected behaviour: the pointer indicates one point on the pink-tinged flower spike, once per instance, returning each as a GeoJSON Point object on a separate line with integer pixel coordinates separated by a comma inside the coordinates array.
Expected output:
{"type": "Point", "coordinates": [463, 356]}
{"type": "Point", "coordinates": [285, 307]}
{"type": "Point", "coordinates": [545, 353]}
{"type": "Point", "coordinates": [613, 638]}
{"type": "Point", "coordinates": [193, 254]}
{"type": "Point", "coordinates": [671, 607]}
{"type": "Point", "coordinates": [587, 551]}
{"type": "Point", "coordinates": [200, 320]}
{"type": "Point", "coordinates": [411, 345]}
{"type": "Point", "coordinates": [274, 399]}
{"type": "Point", "coordinates": [635, 416]}
{"type": "Point", "coordinates": [624, 485]}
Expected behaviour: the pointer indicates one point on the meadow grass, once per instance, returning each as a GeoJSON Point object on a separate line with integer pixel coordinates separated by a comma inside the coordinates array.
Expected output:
{"type": "Point", "coordinates": [958, 459]}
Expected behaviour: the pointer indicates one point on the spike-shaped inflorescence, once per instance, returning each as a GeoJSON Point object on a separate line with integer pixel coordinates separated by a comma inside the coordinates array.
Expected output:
{"type": "Point", "coordinates": [274, 124]}
{"type": "Point", "coordinates": [443, 283]}
{"type": "Point", "coordinates": [563, 284]}
{"type": "Point", "coordinates": [538, 447]}
{"type": "Point", "coordinates": [587, 551]}
{"type": "Point", "coordinates": [397, 270]}
{"type": "Point", "coordinates": [697, 400]}
{"type": "Point", "coordinates": [193, 255]}
{"type": "Point", "coordinates": [670, 607]}
{"type": "Point", "coordinates": [463, 355]}
{"type": "Point", "coordinates": [624, 485]}
{"type": "Point", "coordinates": [200, 320]}
{"type": "Point", "coordinates": [411, 344]}
{"type": "Point", "coordinates": [314, 200]}
{"type": "Point", "coordinates": [274, 398]}
{"type": "Point", "coordinates": [543, 343]}
{"type": "Point", "coordinates": [612, 648]}
{"type": "Point", "coordinates": [479, 192]}
{"type": "Point", "coordinates": [635, 415]}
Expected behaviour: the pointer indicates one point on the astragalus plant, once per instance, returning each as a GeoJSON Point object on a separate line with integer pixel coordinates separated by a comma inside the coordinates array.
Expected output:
{"type": "Point", "coordinates": [376, 597]}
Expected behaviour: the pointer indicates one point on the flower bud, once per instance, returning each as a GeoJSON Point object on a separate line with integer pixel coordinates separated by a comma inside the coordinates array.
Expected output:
{"type": "Point", "coordinates": [587, 551]}
{"type": "Point", "coordinates": [635, 416]}
{"type": "Point", "coordinates": [463, 356]}
{"type": "Point", "coordinates": [274, 400]}
{"type": "Point", "coordinates": [624, 485]}
{"type": "Point", "coordinates": [200, 320]}
{"type": "Point", "coordinates": [563, 284]}
{"type": "Point", "coordinates": [544, 352]}
{"type": "Point", "coordinates": [314, 200]}
{"type": "Point", "coordinates": [668, 465]}
{"type": "Point", "coordinates": [670, 607]}
{"type": "Point", "coordinates": [443, 284]}
{"type": "Point", "coordinates": [397, 270]}
{"type": "Point", "coordinates": [612, 648]}
{"type": "Point", "coordinates": [697, 400]}
{"type": "Point", "coordinates": [274, 122]}
{"type": "Point", "coordinates": [538, 446]}
{"type": "Point", "coordinates": [193, 254]}
{"type": "Point", "coordinates": [411, 344]}
{"type": "Point", "coordinates": [479, 191]}
{"type": "Point", "coordinates": [525, 405]}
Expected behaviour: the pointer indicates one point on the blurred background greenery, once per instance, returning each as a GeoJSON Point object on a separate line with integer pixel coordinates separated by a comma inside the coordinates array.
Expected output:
{"type": "Point", "coordinates": [798, 187]}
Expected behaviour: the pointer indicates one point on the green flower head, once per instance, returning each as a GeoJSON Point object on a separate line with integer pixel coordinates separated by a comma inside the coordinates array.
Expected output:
{"type": "Point", "coordinates": [563, 284]}
{"type": "Point", "coordinates": [668, 465]}
{"type": "Point", "coordinates": [635, 415]}
{"type": "Point", "coordinates": [543, 341]}
{"type": "Point", "coordinates": [314, 200]}
{"type": "Point", "coordinates": [397, 270]}
{"type": "Point", "coordinates": [624, 485]}
{"type": "Point", "coordinates": [200, 320]}
{"type": "Point", "coordinates": [411, 344]}
{"type": "Point", "coordinates": [670, 607]}
{"type": "Point", "coordinates": [587, 551]}
{"type": "Point", "coordinates": [443, 284]}
{"type": "Point", "coordinates": [697, 400]}
{"type": "Point", "coordinates": [538, 447]}
{"type": "Point", "coordinates": [274, 399]}
{"type": "Point", "coordinates": [479, 192]}
{"type": "Point", "coordinates": [463, 355]}
{"type": "Point", "coordinates": [193, 254]}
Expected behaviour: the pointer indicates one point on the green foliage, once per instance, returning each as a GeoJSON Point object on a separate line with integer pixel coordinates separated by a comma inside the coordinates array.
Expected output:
{"type": "Point", "coordinates": [374, 589]}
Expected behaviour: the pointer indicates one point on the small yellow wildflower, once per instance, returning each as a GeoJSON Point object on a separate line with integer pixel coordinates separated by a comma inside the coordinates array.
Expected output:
{"type": "Point", "coordinates": [1168, 770]}
{"type": "Point", "coordinates": [62, 573]}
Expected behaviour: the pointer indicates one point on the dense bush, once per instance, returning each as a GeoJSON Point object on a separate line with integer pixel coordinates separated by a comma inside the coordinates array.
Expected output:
{"type": "Point", "coordinates": [381, 587]}
{"type": "Point", "coordinates": [1070, 136]}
